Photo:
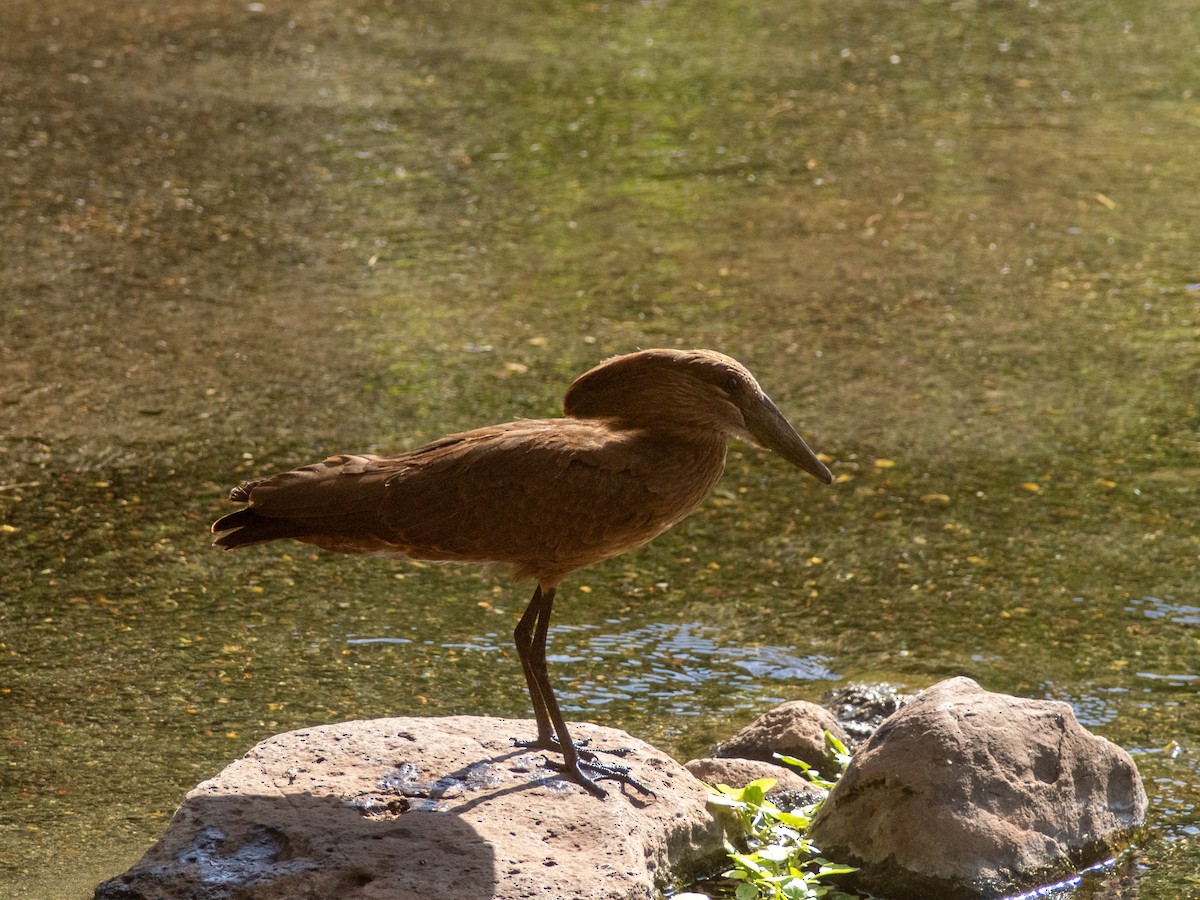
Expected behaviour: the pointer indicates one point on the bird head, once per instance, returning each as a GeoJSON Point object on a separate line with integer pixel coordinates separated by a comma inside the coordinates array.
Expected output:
{"type": "Point", "coordinates": [689, 389]}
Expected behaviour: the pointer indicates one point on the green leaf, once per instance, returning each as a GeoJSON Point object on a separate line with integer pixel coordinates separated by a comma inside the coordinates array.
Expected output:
{"type": "Point", "coordinates": [799, 889]}
{"type": "Point", "coordinates": [723, 800]}
{"type": "Point", "coordinates": [793, 761]}
{"type": "Point", "coordinates": [755, 791]}
{"type": "Point", "coordinates": [833, 743]}
{"type": "Point", "coordinates": [726, 790]}
{"type": "Point", "coordinates": [806, 770]}
{"type": "Point", "coordinates": [775, 853]}
{"type": "Point", "coordinates": [836, 749]}
{"type": "Point", "coordinates": [835, 869]}
{"type": "Point", "coordinates": [793, 819]}
{"type": "Point", "coordinates": [746, 862]}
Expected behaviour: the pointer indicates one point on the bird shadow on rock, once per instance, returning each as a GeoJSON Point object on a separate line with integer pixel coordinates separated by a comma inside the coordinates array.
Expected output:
{"type": "Point", "coordinates": [301, 845]}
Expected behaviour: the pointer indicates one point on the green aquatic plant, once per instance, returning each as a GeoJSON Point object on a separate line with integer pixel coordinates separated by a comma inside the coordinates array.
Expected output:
{"type": "Point", "coordinates": [835, 752]}
{"type": "Point", "coordinates": [777, 861]}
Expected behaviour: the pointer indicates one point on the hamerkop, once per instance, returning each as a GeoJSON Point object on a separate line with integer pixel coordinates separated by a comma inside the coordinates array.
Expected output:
{"type": "Point", "coordinates": [641, 443]}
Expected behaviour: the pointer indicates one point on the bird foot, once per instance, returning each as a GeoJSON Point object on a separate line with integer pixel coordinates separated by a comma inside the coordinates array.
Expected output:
{"type": "Point", "coordinates": [586, 759]}
{"type": "Point", "coordinates": [599, 772]}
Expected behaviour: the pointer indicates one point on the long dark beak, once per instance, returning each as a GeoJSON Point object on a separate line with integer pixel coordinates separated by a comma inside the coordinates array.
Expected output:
{"type": "Point", "coordinates": [767, 425]}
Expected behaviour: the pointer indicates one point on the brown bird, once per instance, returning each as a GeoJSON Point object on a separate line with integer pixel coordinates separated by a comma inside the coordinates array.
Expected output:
{"type": "Point", "coordinates": [641, 443]}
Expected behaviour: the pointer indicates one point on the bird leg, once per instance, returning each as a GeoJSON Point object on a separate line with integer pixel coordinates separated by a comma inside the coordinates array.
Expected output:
{"type": "Point", "coordinates": [530, 636]}
{"type": "Point", "coordinates": [535, 622]}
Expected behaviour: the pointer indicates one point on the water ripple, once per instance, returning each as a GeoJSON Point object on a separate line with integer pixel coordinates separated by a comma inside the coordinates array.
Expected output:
{"type": "Point", "coordinates": [1165, 608]}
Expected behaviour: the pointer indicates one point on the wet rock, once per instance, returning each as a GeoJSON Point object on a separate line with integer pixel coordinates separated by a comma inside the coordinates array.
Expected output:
{"type": "Point", "coordinates": [861, 708]}
{"type": "Point", "coordinates": [791, 789]}
{"type": "Point", "coordinates": [436, 809]}
{"type": "Point", "coordinates": [966, 793]}
{"type": "Point", "coordinates": [794, 729]}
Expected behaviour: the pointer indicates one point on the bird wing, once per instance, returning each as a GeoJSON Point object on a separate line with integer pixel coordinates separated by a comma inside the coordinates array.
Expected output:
{"type": "Point", "coordinates": [546, 496]}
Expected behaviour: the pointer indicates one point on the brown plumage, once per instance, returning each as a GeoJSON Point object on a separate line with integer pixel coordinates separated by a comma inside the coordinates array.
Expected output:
{"type": "Point", "coordinates": [641, 443]}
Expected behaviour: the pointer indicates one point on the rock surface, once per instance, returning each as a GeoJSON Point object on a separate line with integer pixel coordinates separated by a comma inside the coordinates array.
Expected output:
{"type": "Point", "coordinates": [436, 809]}
{"type": "Point", "coordinates": [966, 793]}
{"type": "Point", "coordinates": [795, 729]}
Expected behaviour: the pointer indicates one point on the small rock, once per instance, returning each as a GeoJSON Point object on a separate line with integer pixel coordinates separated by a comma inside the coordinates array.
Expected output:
{"type": "Point", "coordinates": [794, 729]}
{"type": "Point", "coordinates": [966, 793]}
{"type": "Point", "coordinates": [436, 809]}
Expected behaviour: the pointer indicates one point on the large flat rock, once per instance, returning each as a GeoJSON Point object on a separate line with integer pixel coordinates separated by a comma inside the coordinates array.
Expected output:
{"type": "Point", "coordinates": [436, 809]}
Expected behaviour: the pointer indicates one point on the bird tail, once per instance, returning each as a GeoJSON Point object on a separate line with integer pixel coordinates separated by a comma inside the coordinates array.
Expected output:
{"type": "Point", "coordinates": [246, 527]}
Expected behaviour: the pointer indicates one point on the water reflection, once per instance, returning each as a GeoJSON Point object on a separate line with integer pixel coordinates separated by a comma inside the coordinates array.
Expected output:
{"type": "Point", "coordinates": [683, 669]}
{"type": "Point", "coordinates": [1165, 608]}
{"type": "Point", "coordinates": [1169, 680]}
{"type": "Point", "coordinates": [1094, 707]}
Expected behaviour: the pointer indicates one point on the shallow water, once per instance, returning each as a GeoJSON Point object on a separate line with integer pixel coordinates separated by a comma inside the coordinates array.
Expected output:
{"type": "Point", "coordinates": [955, 243]}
